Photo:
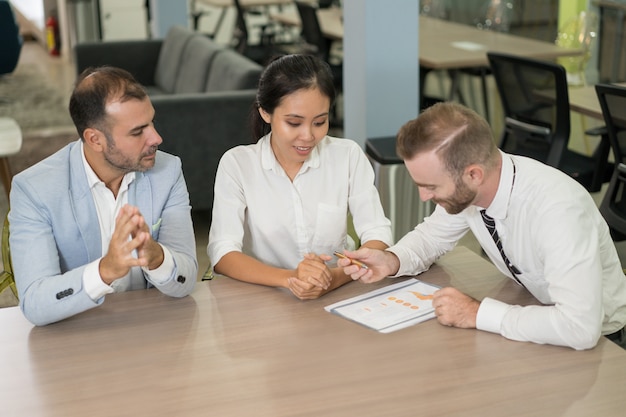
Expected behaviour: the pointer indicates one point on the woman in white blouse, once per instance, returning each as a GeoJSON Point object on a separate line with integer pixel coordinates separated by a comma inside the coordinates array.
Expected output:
{"type": "Point", "coordinates": [282, 205]}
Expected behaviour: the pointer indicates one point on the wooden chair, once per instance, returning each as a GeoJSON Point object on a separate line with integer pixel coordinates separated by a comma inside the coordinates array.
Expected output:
{"type": "Point", "coordinates": [8, 290]}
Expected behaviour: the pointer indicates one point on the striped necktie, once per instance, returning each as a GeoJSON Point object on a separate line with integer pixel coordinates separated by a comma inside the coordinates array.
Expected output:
{"type": "Point", "coordinates": [491, 227]}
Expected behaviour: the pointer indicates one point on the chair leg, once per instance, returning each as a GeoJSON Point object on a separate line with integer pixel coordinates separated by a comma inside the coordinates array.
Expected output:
{"type": "Point", "coordinates": [5, 174]}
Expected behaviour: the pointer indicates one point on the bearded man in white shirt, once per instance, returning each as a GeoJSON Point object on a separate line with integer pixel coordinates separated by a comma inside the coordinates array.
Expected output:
{"type": "Point", "coordinates": [553, 239]}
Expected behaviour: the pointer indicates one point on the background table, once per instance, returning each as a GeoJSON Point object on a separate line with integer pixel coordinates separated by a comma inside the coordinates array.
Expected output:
{"type": "Point", "coordinates": [444, 44]}
{"type": "Point", "coordinates": [237, 349]}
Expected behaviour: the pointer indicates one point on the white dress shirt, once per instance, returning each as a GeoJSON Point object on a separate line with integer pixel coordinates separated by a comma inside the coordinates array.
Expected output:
{"type": "Point", "coordinates": [552, 231]}
{"type": "Point", "coordinates": [259, 211]}
{"type": "Point", "coordinates": [108, 207]}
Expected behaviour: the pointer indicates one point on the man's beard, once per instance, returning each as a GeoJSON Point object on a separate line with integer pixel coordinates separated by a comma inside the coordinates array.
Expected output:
{"type": "Point", "coordinates": [461, 199]}
{"type": "Point", "coordinates": [122, 162]}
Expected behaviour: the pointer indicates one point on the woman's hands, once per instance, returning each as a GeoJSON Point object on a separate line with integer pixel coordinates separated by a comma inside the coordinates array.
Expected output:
{"type": "Point", "coordinates": [313, 277]}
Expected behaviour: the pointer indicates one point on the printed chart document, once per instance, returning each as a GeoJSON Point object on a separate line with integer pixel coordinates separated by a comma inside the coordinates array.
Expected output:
{"type": "Point", "coordinates": [391, 308]}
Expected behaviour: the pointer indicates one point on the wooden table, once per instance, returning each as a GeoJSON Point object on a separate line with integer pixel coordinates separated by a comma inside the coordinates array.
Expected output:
{"type": "Point", "coordinates": [237, 349]}
{"type": "Point", "coordinates": [584, 100]}
{"type": "Point", "coordinates": [449, 45]}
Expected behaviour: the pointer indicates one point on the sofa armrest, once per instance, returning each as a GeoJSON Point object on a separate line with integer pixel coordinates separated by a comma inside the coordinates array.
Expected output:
{"type": "Point", "coordinates": [199, 128]}
{"type": "Point", "coordinates": [139, 57]}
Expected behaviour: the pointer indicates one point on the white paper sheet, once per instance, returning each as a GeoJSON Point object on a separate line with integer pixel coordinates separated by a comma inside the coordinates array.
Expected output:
{"type": "Point", "coordinates": [390, 308]}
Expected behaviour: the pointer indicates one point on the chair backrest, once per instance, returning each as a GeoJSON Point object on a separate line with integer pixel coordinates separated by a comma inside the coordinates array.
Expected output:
{"type": "Point", "coordinates": [195, 64]}
{"type": "Point", "coordinates": [612, 100]}
{"type": "Point", "coordinates": [232, 71]}
{"type": "Point", "coordinates": [613, 204]}
{"type": "Point", "coordinates": [536, 106]}
{"type": "Point", "coordinates": [168, 65]}
{"type": "Point", "coordinates": [10, 39]}
{"type": "Point", "coordinates": [312, 31]}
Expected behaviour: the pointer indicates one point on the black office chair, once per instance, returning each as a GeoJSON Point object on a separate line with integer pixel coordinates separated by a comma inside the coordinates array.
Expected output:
{"type": "Point", "coordinates": [261, 52]}
{"type": "Point", "coordinates": [535, 99]}
{"type": "Point", "coordinates": [312, 31]}
{"type": "Point", "coordinates": [612, 100]}
{"type": "Point", "coordinates": [320, 45]}
{"type": "Point", "coordinates": [10, 39]}
{"type": "Point", "coordinates": [613, 204]}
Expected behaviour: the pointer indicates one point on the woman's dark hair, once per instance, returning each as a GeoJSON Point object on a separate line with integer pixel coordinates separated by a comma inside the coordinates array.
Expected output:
{"type": "Point", "coordinates": [284, 76]}
{"type": "Point", "coordinates": [95, 87]}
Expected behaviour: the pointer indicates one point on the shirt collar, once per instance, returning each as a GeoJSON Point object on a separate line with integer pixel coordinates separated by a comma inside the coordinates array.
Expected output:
{"type": "Point", "coordinates": [269, 161]}
{"type": "Point", "coordinates": [92, 178]}
{"type": "Point", "coordinates": [500, 204]}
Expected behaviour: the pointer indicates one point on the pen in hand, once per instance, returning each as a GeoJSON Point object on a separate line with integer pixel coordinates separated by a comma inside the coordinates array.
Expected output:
{"type": "Point", "coordinates": [352, 261]}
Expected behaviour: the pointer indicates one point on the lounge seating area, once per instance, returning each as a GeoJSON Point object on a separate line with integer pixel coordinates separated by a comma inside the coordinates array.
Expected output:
{"type": "Point", "coordinates": [201, 92]}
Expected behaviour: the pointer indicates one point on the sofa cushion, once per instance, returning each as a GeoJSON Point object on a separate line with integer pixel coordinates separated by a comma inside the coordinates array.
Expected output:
{"type": "Point", "coordinates": [232, 71]}
{"type": "Point", "coordinates": [194, 64]}
{"type": "Point", "coordinates": [170, 57]}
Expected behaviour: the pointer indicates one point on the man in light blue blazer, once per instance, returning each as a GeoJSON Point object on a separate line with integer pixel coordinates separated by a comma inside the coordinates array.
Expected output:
{"type": "Point", "coordinates": [107, 213]}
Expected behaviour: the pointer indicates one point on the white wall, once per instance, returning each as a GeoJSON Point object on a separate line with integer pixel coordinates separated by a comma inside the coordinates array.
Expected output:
{"type": "Point", "coordinates": [33, 10]}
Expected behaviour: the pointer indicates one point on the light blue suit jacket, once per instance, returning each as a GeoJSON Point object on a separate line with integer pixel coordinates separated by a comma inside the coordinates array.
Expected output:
{"type": "Point", "coordinates": [55, 233]}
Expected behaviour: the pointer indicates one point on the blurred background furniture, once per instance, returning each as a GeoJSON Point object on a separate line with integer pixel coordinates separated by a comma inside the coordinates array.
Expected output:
{"type": "Point", "coordinates": [10, 39]}
{"type": "Point", "coordinates": [396, 188]}
{"type": "Point", "coordinates": [260, 52]}
{"type": "Point", "coordinates": [613, 206]}
{"type": "Point", "coordinates": [535, 99]}
{"type": "Point", "coordinates": [202, 94]}
{"type": "Point", "coordinates": [612, 59]}
{"type": "Point", "coordinates": [8, 289]}
{"type": "Point", "coordinates": [321, 45]}
{"type": "Point", "coordinates": [496, 15]}
{"type": "Point", "coordinates": [10, 144]}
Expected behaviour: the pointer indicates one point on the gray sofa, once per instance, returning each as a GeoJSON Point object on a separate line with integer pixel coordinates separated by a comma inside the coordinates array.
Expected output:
{"type": "Point", "coordinates": [202, 93]}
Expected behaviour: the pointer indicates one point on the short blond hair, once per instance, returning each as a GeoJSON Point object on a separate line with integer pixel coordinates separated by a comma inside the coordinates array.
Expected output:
{"type": "Point", "coordinates": [458, 134]}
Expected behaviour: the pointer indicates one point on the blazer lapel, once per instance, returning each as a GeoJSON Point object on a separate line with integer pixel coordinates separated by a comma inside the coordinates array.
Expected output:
{"type": "Point", "coordinates": [83, 207]}
{"type": "Point", "coordinates": [140, 195]}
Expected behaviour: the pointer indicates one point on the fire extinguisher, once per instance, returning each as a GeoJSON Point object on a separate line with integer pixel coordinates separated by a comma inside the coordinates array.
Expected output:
{"type": "Point", "coordinates": [52, 36]}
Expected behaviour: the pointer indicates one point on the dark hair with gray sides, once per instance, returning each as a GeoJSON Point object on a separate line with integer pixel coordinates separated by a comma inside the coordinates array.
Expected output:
{"type": "Point", "coordinates": [458, 134]}
{"type": "Point", "coordinates": [94, 88]}
{"type": "Point", "coordinates": [284, 76]}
